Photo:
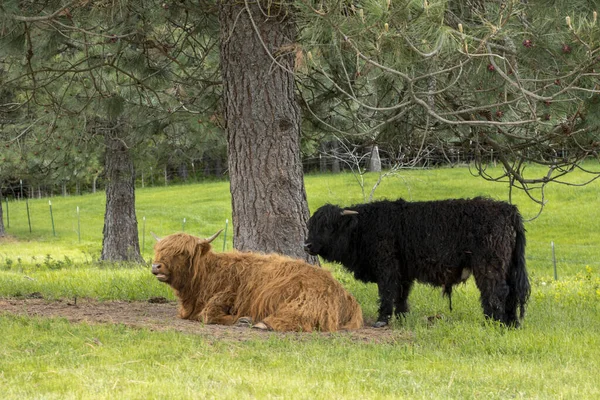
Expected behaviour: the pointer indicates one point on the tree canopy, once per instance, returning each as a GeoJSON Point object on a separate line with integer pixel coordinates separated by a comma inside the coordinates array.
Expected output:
{"type": "Point", "coordinates": [511, 81]}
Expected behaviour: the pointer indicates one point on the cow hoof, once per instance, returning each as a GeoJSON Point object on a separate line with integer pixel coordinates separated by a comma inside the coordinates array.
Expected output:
{"type": "Point", "coordinates": [261, 325]}
{"type": "Point", "coordinates": [380, 324]}
{"type": "Point", "coordinates": [243, 321]}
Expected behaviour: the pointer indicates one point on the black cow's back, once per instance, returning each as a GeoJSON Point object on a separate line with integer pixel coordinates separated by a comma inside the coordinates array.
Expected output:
{"type": "Point", "coordinates": [428, 237]}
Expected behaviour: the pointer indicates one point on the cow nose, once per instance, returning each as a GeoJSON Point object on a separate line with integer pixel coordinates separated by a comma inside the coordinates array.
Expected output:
{"type": "Point", "coordinates": [155, 268]}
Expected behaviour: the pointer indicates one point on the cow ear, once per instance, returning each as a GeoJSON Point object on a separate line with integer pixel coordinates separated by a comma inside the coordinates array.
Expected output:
{"type": "Point", "coordinates": [204, 244]}
{"type": "Point", "coordinates": [348, 212]}
{"type": "Point", "coordinates": [203, 247]}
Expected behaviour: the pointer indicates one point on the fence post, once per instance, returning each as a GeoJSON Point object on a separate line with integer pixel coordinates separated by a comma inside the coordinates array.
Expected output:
{"type": "Point", "coordinates": [554, 261]}
{"type": "Point", "coordinates": [225, 235]}
{"type": "Point", "coordinates": [7, 213]}
{"type": "Point", "coordinates": [78, 226]}
{"type": "Point", "coordinates": [28, 215]}
{"type": "Point", "coordinates": [52, 218]}
{"type": "Point", "coordinates": [143, 233]}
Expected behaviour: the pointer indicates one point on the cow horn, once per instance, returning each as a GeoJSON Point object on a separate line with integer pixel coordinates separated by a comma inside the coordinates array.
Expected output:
{"type": "Point", "coordinates": [213, 237]}
{"type": "Point", "coordinates": [349, 212]}
{"type": "Point", "coordinates": [155, 237]}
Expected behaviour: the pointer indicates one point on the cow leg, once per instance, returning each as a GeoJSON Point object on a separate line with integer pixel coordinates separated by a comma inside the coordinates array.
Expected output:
{"type": "Point", "coordinates": [402, 297]}
{"type": "Point", "coordinates": [447, 291]}
{"type": "Point", "coordinates": [288, 319]}
{"type": "Point", "coordinates": [387, 293]}
{"type": "Point", "coordinates": [495, 304]}
{"type": "Point", "coordinates": [511, 308]}
{"type": "Point", "coordinates": [216, 313]}
{"type": "Point", "coordinates": [494, 293]}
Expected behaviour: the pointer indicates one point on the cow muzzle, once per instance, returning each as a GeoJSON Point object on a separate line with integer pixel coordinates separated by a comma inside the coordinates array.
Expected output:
{"type": "Point", "coordinates": [159, 275]}
{"type": "Point", "coordinates": [309, 248]}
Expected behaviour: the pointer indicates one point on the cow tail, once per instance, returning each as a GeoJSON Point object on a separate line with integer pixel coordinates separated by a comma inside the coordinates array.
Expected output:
{"type": "Point", "coordinates": [518, 272]}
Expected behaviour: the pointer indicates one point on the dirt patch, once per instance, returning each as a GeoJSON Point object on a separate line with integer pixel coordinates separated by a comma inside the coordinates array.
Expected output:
{"type": "Point", "coordinates": [158, 315]}
{"type": "Point", "coordinates": [7, 239]}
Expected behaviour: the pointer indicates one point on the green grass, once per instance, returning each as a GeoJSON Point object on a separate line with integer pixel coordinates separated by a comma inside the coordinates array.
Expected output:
{"type": "Point", "coordinates": [453, 358]}
{"type": "Point", "coordinates": [455, 355]}
{"type": "Point", "coordinates": [458, 356]}
{"type": "Point", "coordinates": [132, 283]}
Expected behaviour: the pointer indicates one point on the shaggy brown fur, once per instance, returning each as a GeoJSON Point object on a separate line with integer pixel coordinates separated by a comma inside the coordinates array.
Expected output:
{"type": "Point", "coordinates": [284, 293]}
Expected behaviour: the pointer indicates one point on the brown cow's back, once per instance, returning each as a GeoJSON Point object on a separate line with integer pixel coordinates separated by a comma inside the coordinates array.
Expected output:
{"type": "Point", "coordinates": [289, 294]}
{"type": "Point", "coordinates": [285, 294]}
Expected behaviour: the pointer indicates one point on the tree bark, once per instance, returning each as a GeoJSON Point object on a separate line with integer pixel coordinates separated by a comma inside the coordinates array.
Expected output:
{"type": "Point", "coordinates": [269, 205]}
{"type": "Point", "coordinates": [120, 236]}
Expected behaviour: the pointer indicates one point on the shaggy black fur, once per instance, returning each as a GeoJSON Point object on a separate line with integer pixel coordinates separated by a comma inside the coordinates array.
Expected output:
{"type": "Point", "coordinates": [394, 243]}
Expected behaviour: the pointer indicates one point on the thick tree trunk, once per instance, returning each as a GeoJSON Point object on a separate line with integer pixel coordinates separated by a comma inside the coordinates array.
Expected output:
{"type": "Point", "coordinates": [120, 237]}
{"type": "Point", "coordinates": [269, 204]}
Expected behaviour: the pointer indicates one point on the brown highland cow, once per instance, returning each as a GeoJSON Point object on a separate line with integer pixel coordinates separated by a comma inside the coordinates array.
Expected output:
{"type": "Point", "coordinates": [272, 291]}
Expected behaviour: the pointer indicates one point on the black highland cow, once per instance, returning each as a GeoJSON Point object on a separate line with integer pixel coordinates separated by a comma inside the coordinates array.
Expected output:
{"type": "Point", "coordinates": [394, 243]}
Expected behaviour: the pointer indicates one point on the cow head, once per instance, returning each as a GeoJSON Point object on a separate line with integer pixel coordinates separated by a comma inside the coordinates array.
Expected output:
{"type": "Point", "coordinates": [329, 230]}
{"type": "Point", "coordinates": [174, 257]}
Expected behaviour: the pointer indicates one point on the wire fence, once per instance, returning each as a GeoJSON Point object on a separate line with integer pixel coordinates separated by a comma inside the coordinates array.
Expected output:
{"type": "Point", "coordinates": [555, 258]}
{"type": "Point", "coordinates": [194, 172]}
{"type": "Point", "coordinates": [551, 256]}
{"type": "Point", "coordinates": [37, 219]}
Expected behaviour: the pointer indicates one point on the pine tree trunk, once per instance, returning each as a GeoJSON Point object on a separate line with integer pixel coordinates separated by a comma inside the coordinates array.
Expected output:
{"type": "Point", "coordinates": [269, 204]}
{"type": "Point", "coordinates": [120, 236]}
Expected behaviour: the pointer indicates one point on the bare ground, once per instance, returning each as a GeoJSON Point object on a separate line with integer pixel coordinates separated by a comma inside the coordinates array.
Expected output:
{"type": "Point", "coordinates": [160, 315]}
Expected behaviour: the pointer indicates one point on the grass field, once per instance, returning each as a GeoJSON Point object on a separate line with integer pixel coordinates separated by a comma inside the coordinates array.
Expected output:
{"type": "Point", "coordinates": [454, 355]}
